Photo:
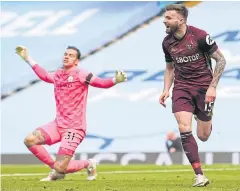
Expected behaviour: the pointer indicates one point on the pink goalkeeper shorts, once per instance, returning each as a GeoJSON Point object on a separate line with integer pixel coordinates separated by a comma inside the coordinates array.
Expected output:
{"type": "Point", "coordinates": [69, 138]}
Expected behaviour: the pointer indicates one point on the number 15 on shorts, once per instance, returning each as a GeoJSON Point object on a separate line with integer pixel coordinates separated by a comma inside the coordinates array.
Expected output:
{"type": "Point", "coordinates": [209, 107]}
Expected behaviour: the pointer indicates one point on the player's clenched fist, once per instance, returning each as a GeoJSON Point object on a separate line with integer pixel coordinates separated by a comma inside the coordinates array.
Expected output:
{"type": "Point", "coordinates": [120, 76]}
{"type": "Point", "coordinates": [22, 52]}
{"type": "Point", "coordinates": [163, 98]}
{"type": "Point", "coordinates": [210, 95]}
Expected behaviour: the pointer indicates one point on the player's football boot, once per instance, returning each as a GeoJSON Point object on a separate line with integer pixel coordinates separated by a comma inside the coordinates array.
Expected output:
{"type": "Point", "coordinates": [53, 175]}
{"type": "Point", "coordinates": [92, 170]}
{"type": "Point", "coordinates": [200, 181]}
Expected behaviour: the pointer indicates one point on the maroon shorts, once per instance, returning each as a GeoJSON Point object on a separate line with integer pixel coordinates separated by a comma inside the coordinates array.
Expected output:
{"type": "Point", "coordinates": [193, 101]}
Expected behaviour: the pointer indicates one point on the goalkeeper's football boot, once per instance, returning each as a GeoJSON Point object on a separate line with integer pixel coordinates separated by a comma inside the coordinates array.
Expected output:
{"type": "Point", "coordinates": [92, 170]}
{"type": "Point", "coordinates": [53, 175]}
{"type": "Point", "coordinates": [200, 181]}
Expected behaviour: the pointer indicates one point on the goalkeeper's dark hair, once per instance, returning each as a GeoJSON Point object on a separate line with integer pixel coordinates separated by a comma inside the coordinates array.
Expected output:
{"type": "Point", "coordinates": [76, 49]}
{"type": "Point", "coordinates": [180, 8]}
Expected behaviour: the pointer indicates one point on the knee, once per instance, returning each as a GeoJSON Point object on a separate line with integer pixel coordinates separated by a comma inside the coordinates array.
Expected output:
{"type": "Point", "coordinates": [204, 130]}
{"type": "Point", "coordinates": [60, 168]}
{"type": "Point", "coordinates": [203, 137]}
{"type": "Point", "coordinates": [184, 127]}
{"type": "Point", "coordinates": [30, 140]}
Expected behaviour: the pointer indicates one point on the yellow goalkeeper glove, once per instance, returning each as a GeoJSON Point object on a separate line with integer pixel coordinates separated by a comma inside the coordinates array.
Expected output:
{"type": "Point", "coordinates": [120, 76]}
{"type": "Point", "coordinates": [22, 52]}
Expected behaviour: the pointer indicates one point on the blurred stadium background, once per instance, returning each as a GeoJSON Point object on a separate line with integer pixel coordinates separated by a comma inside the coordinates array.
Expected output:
{"type": "Point", "coordinates": [110, 35]}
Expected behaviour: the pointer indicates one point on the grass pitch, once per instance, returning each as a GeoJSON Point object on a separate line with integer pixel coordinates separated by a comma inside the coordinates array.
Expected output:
{"type": "Point", "coordinates": [122, 178]}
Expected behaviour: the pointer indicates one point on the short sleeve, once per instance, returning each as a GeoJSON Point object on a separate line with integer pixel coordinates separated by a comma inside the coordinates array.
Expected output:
{"type": "Point", "coordinates": [206, 43]}
{"type": "Point", "coordinates": [168, 57]}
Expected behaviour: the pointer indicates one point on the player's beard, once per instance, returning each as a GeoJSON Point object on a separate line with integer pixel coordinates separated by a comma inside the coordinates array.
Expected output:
{"type": "Point", "coordinates": [172, 29]}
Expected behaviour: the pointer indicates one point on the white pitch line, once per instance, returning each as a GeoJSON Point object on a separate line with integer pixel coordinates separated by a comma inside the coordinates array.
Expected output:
{"type": "Point", "coordinates": [23, 174]}
{"type": "Point", "coordinates": [127, 172]}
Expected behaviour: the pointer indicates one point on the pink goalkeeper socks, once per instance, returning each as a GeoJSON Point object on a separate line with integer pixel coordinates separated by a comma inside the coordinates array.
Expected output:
{"type": "Point", "coordinates": [41, 153]}
{"type": "Point", "coordinates": [77, 165]}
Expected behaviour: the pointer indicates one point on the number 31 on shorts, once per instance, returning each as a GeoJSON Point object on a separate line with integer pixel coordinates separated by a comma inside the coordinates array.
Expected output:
{"type": "Point", "coordinates": [70, 135]}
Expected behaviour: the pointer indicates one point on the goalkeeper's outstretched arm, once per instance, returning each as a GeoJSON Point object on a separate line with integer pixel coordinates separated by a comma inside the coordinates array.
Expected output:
{"type": "Point", "coordinates": [41, 72]}
{"type": "Point", "coordinates": [98, 82]}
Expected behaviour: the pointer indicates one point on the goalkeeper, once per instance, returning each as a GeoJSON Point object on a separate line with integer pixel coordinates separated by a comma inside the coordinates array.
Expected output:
{"type": "Point", "coordinates": [69, 127]}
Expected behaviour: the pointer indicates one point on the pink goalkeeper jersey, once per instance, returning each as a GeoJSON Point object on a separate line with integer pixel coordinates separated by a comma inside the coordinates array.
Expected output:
{"type": "Point", "coordinates": [71, 90]}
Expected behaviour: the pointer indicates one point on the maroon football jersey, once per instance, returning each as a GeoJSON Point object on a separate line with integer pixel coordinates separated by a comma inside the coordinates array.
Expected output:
{"type": "Point", "coordinates": [190, 57]}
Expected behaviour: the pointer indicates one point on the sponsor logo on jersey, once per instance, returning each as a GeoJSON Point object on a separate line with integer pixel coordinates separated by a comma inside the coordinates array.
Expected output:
{"type": "Point", "coordinates": [185, 59]}
{"type": "Point", "coordinates": [68, 85]}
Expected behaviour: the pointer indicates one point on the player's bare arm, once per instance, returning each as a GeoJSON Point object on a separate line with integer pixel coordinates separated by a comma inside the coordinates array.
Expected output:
{"type": "Point", "coordinates": [168, 76]}
{"type": "Point", "coordinates": [219, 68]}
{"type": "Point", "coordinates": [168, 80]}
{"type": "Point", "coordinates": [35, 138]}
{"type": "Point", "coordinates": [61, 163]}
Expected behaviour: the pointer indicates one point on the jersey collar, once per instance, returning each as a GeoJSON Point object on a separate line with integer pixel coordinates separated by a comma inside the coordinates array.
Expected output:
{"type": "Point", "coordinates": [183, 35]}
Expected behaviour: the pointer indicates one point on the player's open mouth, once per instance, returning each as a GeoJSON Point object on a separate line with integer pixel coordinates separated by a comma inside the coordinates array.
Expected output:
{"type": "Point", "coordinates": [167, 27]}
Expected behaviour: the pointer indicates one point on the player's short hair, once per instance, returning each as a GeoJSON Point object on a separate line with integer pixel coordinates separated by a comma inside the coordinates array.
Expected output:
{"type": "Point", "coordinates": [78, 51]}
{"type": "Point", "coordinates": [180, 8]}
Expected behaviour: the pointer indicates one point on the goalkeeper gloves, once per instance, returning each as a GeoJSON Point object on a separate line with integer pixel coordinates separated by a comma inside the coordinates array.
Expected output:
{"type": "Point", "coordinates": [22, 52]}
{"type": "Point", "coordinates": [120, 76]}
